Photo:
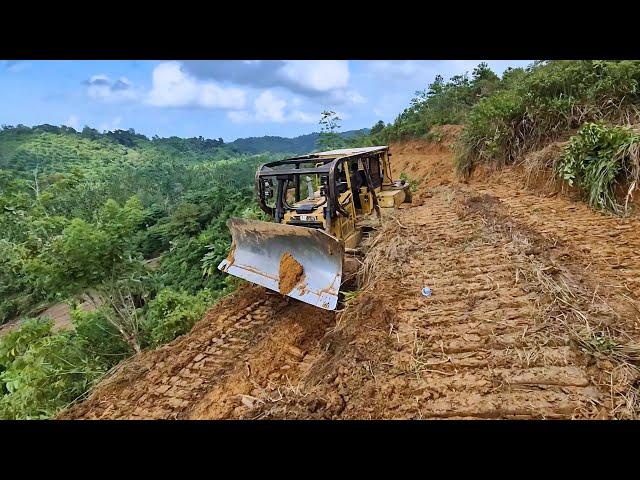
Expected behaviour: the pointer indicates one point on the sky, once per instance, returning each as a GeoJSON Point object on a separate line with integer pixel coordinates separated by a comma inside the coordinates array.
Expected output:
{"type": "Point", "coordinates": [225, 99]}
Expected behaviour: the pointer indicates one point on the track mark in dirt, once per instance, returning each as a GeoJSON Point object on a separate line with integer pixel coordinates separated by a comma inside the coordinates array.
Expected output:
{"type": "Point", "coordinates": [270, 368]}
{"type": "Point", "coordinates": [479, 347]}
{"type": "Point", "coordinates": [163, 383]}
{"type": "Point", "coordinates": [495, 340]}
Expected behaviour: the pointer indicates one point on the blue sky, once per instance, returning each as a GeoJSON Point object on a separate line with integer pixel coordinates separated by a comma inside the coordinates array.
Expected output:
{"type": "Point", "coordinates": [217, 98]}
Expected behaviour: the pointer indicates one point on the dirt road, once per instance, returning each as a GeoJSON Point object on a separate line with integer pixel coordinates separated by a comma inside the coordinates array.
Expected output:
{"type": "Point", "coordinates": [535, 313]}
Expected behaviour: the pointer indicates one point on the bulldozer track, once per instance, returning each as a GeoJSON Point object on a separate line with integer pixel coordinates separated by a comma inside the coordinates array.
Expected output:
{"type": "Point", "coordinates": [490, 342]}
{"type": "Point", "coordinates": [163, 385]}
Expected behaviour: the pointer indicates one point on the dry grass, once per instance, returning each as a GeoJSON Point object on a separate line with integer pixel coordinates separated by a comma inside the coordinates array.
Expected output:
{"type": "Point", "coordinates": [540, 162]}
{"type": "Point", "coordinates": [579, 314]}
{"type": "Point", "coordinates": [386, 253]}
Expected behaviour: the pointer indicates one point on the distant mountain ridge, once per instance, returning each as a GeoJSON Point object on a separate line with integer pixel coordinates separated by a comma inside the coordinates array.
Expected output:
{"type": "Point", "coordinates": [273, 144]}
{"type": "Point", "coordinates": [48, 147]}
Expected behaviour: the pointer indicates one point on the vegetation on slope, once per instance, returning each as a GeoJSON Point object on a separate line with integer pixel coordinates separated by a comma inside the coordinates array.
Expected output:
{"type": "Point", "coordinates": [526, 109]}
{"type": "Point", "coordinates": [81, 216]}
{"type": "Point", "coordinates": [297, 145]}
{"type": "Point", "coordinates": [551, 99]}
{"type": "Point", "coordinates": [134, 227]}
{"type": "Point", "coordinates": [596, 158]}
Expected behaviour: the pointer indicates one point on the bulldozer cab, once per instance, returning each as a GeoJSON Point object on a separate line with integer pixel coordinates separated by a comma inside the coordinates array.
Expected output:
{"type": "Point", "coordinates": [325, 190]}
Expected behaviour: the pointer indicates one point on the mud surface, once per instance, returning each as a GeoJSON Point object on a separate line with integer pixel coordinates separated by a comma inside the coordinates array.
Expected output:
{"type": "Point", "coordinates": [535, 313]}
{"type": "Point", "coordinates": [290, 273]}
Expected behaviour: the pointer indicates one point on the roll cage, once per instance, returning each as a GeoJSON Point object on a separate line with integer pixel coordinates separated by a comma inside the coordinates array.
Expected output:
{"type": "Point", "coordinates": [330, 170]}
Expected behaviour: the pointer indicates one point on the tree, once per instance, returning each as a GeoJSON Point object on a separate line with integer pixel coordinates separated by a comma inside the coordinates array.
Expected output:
{"type": "Point", "coordinates": [101, 257]}
{"type": "Point", "coordinates": [330, 137]}
{"type": "Point", "coordinates": [435, 88]}
{"type": "Point", "coordinates": [377, 128]}
{"type": "Point", "coordinates": [484, 81]}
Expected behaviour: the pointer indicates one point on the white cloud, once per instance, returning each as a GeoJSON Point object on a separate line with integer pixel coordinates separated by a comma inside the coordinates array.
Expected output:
{"type": "Point", "coordinates": [403, 68]}
{"type": "Point", "coordinates": [268, 107]}
{"type": "Point", "coordinates": [241, 116]}
{"type": "Point", "coordinates": [101, 87]}
{"type": "Point", "coordinates": [110, 126]}
{"type": "Point", "coordinates": [172, 87]}
{"type": "Point", "coordinates": [305, 77]}
{"type": "Point", "coordinates": [317, 75]}
{"type": "Point", "coordinates": [302, 117]}
{"type": "Point", "coordinates": [73, 122]}
{"type": "Point", "coordinates": [346, 97]}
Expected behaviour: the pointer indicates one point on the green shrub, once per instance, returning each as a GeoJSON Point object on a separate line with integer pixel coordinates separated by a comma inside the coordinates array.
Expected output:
{"type": "Point", "coordinates": [171, 314]}
{"type": "Point", "coordinates": [597, 158]}
{"type": "Point", "coordinates": [15, 344]}
{"type": "Point", "coordinates": [98, 337]}
{"type": "Point", "coordinates": [549, 100]}
{"type": "Point", "coordinates": [413, 185]}
{"type": "Point", "coordinates": [42, 371]}
{"type": "Point", "coordinates": [18, 287]}
{"type": "Point", "coordinates": [488, 134]}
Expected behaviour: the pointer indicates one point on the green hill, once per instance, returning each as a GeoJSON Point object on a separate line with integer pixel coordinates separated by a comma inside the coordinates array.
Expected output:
{"type": "Point", "coordinates": [50, 148]}
{"type": "Point", "coordinates": [90, 212]}
{"type": "Point", "coordinates": [297, 145]}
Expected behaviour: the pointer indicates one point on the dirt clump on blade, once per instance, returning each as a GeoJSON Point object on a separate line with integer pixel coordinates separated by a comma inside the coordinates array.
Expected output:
{"type": "Point", "coordinates": [290, 273]}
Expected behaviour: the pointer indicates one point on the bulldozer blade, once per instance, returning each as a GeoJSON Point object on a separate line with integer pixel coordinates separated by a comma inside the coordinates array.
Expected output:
{"type": "Point", "coordinates": [258, 247]}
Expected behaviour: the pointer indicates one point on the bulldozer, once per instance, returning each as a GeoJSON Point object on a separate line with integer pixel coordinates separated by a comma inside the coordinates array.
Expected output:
{"type": "Point", "coordinates": [319, 205]}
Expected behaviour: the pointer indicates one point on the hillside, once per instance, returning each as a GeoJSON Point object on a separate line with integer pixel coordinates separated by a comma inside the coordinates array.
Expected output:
{"type": "Point", "coordinates": [51, 148]}
{"type": "Point", "coordinates": [108, 246]}
{"type": "Point", "coordinates": [524, 223]}
{"type": "Point", "coordinates": [297, 145]}
{"type": "Point", "coordinates": [520, 323]}
{"type": "Point", "coordinates": [113, 235]}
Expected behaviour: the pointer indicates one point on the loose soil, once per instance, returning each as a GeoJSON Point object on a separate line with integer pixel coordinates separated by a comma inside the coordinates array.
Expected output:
{"type": "Point", "coordinates": [290, 273]}
{"type": "Point", "coordinates": [535, 313]}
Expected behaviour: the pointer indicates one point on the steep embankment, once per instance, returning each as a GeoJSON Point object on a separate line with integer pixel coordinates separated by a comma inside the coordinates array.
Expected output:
{"type": "Point", "coordinates": [535, 313]}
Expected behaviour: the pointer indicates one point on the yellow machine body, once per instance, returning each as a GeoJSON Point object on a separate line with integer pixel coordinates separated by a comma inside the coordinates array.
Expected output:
{"type": "Point", "coordinates": [341, 187]}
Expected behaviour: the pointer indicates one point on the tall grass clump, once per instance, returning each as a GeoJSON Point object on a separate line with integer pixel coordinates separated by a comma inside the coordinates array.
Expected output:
{"type": "Point", "coordinates": [599, 158]}
{"type": "Point", "coordinates": [551, 99]}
